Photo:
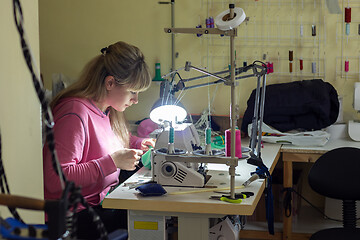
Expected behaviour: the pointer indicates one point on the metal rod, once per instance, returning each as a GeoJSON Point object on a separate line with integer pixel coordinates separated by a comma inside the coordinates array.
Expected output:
{"type": "Point", "coordinates": [172, 36]}
{"type": "Point", "coordinates": [210, 74]}
{"type": "Point", "coordinates": [202, 85]}
{"type": "Point", "coordinates": [216, 73]}
{"type": "Point", "coordinates": [246, 76]}
{"type": "Point", "coordinates": [261, 117]}
{"type": "Point", "coordinates": [232, 115]}
{"type": "Point", "coordinates": [255, 117]}
{"type": "Point", "coordinates": [204, 76]}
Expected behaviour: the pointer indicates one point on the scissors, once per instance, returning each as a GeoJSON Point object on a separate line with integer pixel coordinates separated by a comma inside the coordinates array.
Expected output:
{"type": "Point", "coordinates": [237, 195]}
{"type": "Point", "coordinates": [226, 198]}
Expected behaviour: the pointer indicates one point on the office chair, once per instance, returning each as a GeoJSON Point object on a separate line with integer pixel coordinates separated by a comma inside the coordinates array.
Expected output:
{"type": "Point", "coordinates": [336, 174]}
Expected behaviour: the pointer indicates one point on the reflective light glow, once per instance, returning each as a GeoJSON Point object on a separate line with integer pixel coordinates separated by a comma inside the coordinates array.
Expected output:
{"type": "Point", "coordinates": [171, 113]}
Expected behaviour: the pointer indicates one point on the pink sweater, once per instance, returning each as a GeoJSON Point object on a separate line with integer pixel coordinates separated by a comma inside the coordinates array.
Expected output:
{"type": "Point", "coordinates": [83, 141]}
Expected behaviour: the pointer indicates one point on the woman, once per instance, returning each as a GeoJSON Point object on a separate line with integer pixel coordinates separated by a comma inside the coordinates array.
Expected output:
{"type": "Point", "coordinates": [92, 140]}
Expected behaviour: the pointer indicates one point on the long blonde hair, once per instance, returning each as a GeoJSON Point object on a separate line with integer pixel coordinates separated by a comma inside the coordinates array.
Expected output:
{"type": "Point", "coordinates": [126, 64]}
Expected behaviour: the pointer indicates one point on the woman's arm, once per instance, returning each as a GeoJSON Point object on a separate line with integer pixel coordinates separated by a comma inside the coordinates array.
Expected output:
{"type": "Point", "coordinates": [141, 143]}
{"type": "Point", "coordinates": [71, 142]}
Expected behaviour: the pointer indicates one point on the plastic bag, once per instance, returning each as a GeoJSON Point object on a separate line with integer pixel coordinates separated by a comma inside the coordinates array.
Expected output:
{"type": "Point", "coordinates": [308, 138]}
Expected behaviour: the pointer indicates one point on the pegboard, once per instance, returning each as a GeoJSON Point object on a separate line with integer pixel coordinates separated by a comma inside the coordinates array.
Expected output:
{"type": "Point", "coordinates": [272, 29]}
{"type": "Point", "coordinates": [348, 35]}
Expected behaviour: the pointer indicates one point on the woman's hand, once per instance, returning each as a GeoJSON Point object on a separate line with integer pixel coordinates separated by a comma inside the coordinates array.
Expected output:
{"type": "Point", "coordinates": [146, 143]}
{"type": "Point", "coordinates": [127, 159]}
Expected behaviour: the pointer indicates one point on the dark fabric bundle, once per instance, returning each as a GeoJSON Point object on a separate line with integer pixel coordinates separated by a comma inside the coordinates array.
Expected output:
{"type": "Point", "coordinates": [301, 105]}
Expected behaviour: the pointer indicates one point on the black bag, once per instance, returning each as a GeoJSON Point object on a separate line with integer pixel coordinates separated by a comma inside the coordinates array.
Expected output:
{"type": "Point", "coordinates": [302, 105]}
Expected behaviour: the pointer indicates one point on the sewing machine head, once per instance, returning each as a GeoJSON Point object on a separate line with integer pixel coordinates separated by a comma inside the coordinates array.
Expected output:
{"type": "Point", "coordinates": [186, 140]}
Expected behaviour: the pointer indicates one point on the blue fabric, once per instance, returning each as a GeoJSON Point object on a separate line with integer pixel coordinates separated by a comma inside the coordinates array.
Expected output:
{"type": "Point", "coordinates": [151, 189]}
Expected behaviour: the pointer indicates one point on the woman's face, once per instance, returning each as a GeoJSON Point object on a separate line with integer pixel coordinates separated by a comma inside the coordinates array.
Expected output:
{"type": "Point", "coordinates": [119, 96]}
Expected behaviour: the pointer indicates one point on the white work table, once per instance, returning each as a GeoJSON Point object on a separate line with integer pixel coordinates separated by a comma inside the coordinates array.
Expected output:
{"type": "Point", "coordinates": [194, 209]}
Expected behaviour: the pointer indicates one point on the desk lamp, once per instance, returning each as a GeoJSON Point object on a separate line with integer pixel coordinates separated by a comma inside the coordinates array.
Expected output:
{"type": "Point", "coordinates": [167, 108]}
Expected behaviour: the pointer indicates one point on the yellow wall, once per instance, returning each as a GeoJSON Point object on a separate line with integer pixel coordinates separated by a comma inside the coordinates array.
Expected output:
{"type": "Point", "coordinates": [72, 32]}
{"type": "Point", "coordinates": [20, 110]}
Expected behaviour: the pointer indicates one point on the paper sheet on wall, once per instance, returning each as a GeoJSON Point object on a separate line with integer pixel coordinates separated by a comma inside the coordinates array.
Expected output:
{"type": "Point", "coordinates": [333, 6]}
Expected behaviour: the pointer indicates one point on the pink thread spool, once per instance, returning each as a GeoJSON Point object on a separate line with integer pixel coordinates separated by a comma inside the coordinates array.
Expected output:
{"type": "Point", "coordinates": [346, 66]}
{"type": "Point", "coordinates": [238, 152]}
{"type": "Point", "coordinates": [267, 67]}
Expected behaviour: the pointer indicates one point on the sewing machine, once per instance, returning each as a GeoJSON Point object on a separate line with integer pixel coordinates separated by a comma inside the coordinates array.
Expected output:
{"type": "Point", "coordinates": [170, 173]}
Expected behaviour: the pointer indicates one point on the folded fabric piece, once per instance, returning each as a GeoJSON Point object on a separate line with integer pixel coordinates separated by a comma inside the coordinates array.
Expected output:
{"type": "Point", "coordinates": [306, 105]}
{"type": "Point", "coordinates": [307, 138]}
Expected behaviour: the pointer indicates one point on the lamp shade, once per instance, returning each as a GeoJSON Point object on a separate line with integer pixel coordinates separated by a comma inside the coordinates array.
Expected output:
{"type": "Point", "coordinates": [167, 111]}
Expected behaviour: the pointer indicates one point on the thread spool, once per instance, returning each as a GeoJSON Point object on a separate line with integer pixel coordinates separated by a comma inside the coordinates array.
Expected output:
{"type": "Point", "coordinates": [313, 67]}
{"type": "Point", "coordinates": [301, 64]}
{"type": "Point", "coordinates": [301, 30]}
{"type": "Point", "coordinates": [238, 152]}
{"type": "Point", "coordinates": [198, 35]}
{"type": "Point", "coordinates": [291, 55]}
{"type": "Point", "coordinates": [208, 136]}
{"type": "Point", "coordinates": [171, 148]}
{"type": "Point", "coordinates": [230, 19]}
{"type": "Point", "coordinates": [171, 135]}
{"type": "Point", "coordinates": [271, 67]}
{"type": "Point", "coordinates": [347, 66]}
{"type": "Point", "coordinates": [268, 68]}
{"type": "Point", "coordinates": [157, 72]}
{"type": "Point", "coordinates": [313, 30]}
{"type": "Point", "coordinates": [290, 67]}
{"type": "Point", "coordinates": [212, 24]}
{"type": "Point", "coordinates": [207, 22]}
{"type": "Point", "coordinates": [348, 15]}
{"type": "Point", "coordinates": [244, 64]}
{"type": "Point", "coordinates": [347, 29]}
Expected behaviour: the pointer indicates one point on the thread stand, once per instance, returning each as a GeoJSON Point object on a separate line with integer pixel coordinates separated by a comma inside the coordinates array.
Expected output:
{"type": "Point", "coordinates": [232, 161]}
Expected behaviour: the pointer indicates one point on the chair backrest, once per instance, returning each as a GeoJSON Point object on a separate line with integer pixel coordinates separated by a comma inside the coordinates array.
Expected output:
{"type": "Point", "coordinates": [336, 174]}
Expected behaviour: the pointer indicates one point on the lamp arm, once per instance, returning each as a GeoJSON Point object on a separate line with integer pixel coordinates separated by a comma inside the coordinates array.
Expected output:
{"type": "Point", "coordinates": [203, 85]}
{"type": "Point", "coordinates": [205, 72]}
{"type": "Point", "coordinates": [204, 76]}
{"type": "Point", "coordinates": [171, 73]}
{"type": "Point", "coordinates": [258, 71]}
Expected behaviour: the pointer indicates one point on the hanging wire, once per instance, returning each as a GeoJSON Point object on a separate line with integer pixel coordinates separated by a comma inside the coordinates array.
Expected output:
{"type": "Point", "coordinates": [288, 208]}
{"type": "Point", "coordinates": [48, 118]}
{"type": "Point", "coordinates": [209, 105]}
{"type": "Point", "coordinates": [75, 196]}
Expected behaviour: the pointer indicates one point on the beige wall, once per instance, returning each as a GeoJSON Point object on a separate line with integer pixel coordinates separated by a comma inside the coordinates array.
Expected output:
{"type": "Point", "coordinates": [71, 32]}
{"type": "Point", "coordinates": [20, 110]}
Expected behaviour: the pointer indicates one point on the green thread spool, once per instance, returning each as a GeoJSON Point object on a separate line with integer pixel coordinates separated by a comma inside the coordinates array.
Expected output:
{"type": "Point", "coordinates": [208, 135]}
{"type": "Point", "coordinates": [157, 73]}
{"type": "Point", "coordinates": [171, 135]}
